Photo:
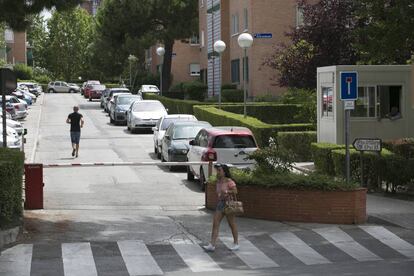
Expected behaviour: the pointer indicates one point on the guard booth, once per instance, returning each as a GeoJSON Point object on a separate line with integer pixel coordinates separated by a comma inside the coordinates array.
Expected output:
{"type": "Point", "coordinates": [384, 108]}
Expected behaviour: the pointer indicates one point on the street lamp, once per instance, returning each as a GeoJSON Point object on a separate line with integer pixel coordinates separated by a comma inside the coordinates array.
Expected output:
{"type": "Point", "coordinates": [219, 47]}
{"type": "Point", "coordinates": [131, 59]}
{"type": "Point", "coordinates": [245, 41]}
{"type": "Point", "coordinates": [161, 53]}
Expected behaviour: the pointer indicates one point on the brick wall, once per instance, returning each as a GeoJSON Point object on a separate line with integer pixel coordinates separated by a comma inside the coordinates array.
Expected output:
{"type": "Point", "coordinates": [338, 207]}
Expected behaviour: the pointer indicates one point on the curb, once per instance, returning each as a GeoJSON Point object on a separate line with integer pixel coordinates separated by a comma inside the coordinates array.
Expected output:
{"type": "Point", "coordinates": [9, 236]}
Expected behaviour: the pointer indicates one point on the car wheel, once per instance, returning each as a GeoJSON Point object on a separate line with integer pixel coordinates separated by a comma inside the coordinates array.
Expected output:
{"type": "Point", "coordinates": [90, 99]}
{"type": "Point", "coordinates": [51, 91]}
{"type": "Point", "coordinates": [190, 175]}
{"type": "Point", "coordinates": [71, 91]}
{"type": "Point", "coordinates": [159, 155]}
{"type": "Point", "coordinates": [202, 180]}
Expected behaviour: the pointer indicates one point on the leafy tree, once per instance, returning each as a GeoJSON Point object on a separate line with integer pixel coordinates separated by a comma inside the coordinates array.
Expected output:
{"type": "Point", "coordinates": [16, 13]}
{"type": "Point", "coordinates": [325, 38]}
{"type": "Point", "coordinates": [37, 36]}
{"type": "Point", "coordinates": [2, 43]}
{"type": "Point", "coordinates": [70, 34]}
{"type": "Point", "coordinates": [386, 31]}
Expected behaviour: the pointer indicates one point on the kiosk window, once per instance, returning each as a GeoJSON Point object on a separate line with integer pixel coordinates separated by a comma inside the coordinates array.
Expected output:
{"type": "Point", "coordinates": [365, 105]}
{"type": "Point", "coordinates": [327, 102]}
{"type": "Point", "coordinates": [390, 101]}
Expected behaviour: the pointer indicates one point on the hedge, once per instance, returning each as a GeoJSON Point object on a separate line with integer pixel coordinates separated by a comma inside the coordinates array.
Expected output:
{"type": "Point", "coordinates": [403, 147]}
{"type": "Point", "coordinates": [175, 106]}
{"type": "Point", "coordinates": [322, 158]}
{"type": "Point", "coordinates": [261, 130]}
{"type": "Point", "coordinates": [298, 143]}
{"type": "Point", "coordinates": [232, 95]}
{"type": "Point", "coordinates": [272, 113]}
{"type": "Point", "coordinates": [11, 181]}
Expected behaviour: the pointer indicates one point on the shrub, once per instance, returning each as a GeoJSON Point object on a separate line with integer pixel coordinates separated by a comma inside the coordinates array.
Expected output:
{"type": "Point", "coordinates": [403, 147]}
{"type": "Point", "coordinates": [232, 95]}
{"type": "Point", "coordinates": [228, 86]}
{"type": "Point", "coordinates": [271, 113]}
{"type": "Point", "coordinates": [11, 178]}
{"type": "Point", "coordinates": [298, 143]}
{"type": "Point", "coordinates": [195, 90]}
{"type": "Point", "coordinates": [175, 106]}
{"type": "Point", "coordinates": [23, 72]}
{"type": "Point", "coordinates": [261, 130]}
{"type": "Point", "coordinates": [307, 98]}
{"type": "Point", "coordinates": [322, 158]}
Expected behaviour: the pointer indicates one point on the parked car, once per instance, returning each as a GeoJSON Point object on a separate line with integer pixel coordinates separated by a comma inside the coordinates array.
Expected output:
{"type": "Point", "coordinates": [104, 95]}
{"type": "Point", "coordinates": [13, 139]}
{"type": "Point", "coordinates": [95, 91]}
{"type": "Point", "coordinates": [87, 83]}
{"type": "Point", "coordinates": [33, 88]}
{"type": "Point", "coordinates": [17, 126]}
{"type": "Point", "coordinates": [163, 124]}
{"type": "Point", "coordinates": [61, 87]}
{"type": "Point", "coordinates": [10, 110]}
{"type": "Point", "coordinates": [120, 104]}
{"type": "Point", "coordinates": [20, 94]}
{"type": "Point", "coordinates": [176, 141]}
{"type": "Point", "coordinates": [112, 92]}
{"type": "Point", "coordinates": [144, 114]}
{"type": "Point", "coordinates": [19, 107]}
{"type": "Point", "coordinates": [227, 145]}
{"type": "Point", "coordinates": [146, 88]}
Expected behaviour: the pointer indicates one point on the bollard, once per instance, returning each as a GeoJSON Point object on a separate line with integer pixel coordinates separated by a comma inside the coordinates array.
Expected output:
{"type": "Point", "coordinates": [33, 186]}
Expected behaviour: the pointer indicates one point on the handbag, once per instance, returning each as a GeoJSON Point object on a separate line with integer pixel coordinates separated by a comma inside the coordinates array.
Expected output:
{"type": "Point", "coordinates": [233, 206]}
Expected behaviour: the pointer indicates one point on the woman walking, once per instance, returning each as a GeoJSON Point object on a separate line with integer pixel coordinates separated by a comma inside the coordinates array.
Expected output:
{"type": "Point", "coordinates": [225, 188]}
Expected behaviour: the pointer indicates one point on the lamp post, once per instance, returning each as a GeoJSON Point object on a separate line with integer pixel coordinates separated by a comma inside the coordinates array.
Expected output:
{"type": "Point", "coordinates": [161, 53]}
{"type": "Point", "coordinates": [245, 41]}
{"type": "Point", "coordinates": [219, 47]}
{"type": "Point", "coordinates": [131, 59]}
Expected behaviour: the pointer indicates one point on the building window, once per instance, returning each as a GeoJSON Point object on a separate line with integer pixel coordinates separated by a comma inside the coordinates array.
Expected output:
{"type": "Point", "coordinates": [365, 105]}
{"type": "Point", "coordinates": [9, 36]}
{"type": "Point", "coordinates": [201, 3]}
{"type": "Point", "coordinates": [194, 40]}
{"type": "Point", "coordinates": [246, 19]}
{"type": "Point", "coordinates": [235, 24]}
{"type": "Point", "coordinates": [327, 102]}
{"type": "Point", "coordinates": [202, 39]}
{"type": "Point", "coordinates": [246, 65]}
{"type": "Point", "coordinates": [299, 16]}
{"type": "Point", "coordinates": [235, 71]}
{"type": "Point", "coordinates": [194, 69]}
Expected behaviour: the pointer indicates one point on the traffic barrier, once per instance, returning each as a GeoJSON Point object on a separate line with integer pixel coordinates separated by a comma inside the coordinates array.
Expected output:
{"type": "Point", "coordinates": [122, 164]}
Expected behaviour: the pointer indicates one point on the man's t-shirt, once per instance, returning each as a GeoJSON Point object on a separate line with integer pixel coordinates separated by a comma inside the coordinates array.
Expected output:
{"type": "Point", "coordinates": [75, 118]}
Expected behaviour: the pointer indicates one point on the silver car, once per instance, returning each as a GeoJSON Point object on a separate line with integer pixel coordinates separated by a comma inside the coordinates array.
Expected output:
{"type": "Point", "coordinates": [112, 92]}
{"type": "Point", "coordinates": [121, 103]}
{"type": "Point", "coordinates": [20, 108]}
{"type": "Point", "coordinates": [144, 114]}
{"type": "Point", "coordinates": [62, 87]}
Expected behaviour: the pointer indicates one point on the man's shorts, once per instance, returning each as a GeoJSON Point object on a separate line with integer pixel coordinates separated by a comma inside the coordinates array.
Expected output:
{"type": "Point", "coordinates": [75, 137]}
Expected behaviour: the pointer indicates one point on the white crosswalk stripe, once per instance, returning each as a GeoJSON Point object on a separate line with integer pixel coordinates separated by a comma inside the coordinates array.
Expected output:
{"type": "Point", "coordinates": [346, 243]}
{"type": "Point", "coordinates": [390, 239]}
{"type": "Point", "coordinates": [195, 257]}
{"type": "Point", "coordinates": [78, 259]}
{"type": "Point", "coordinates": [250, 254]}
{"type": "Point", "coordinates": [138, 259]}
{"type": "Point", "coordinates": [299, 248]}
{"type": "Point", "coordinates": [16, 260]}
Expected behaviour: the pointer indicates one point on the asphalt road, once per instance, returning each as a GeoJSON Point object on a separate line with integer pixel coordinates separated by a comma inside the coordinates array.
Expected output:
{"type": "Point", "coordinates": [149, 221]}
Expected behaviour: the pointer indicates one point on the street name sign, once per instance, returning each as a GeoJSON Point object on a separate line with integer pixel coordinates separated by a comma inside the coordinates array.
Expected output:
{"type": "Point", "coordinates": [349, 105]}
{"type": "Point", "coordinates": [263, 35]}
{"type": "Point", "coordinates": [367, 144]}
{"type": "Point", "coordinates": [349, 85]}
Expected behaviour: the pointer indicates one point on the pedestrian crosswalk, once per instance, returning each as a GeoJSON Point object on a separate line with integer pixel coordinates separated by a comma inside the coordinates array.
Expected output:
{"type": "Point", "coordinates": [134, 257]}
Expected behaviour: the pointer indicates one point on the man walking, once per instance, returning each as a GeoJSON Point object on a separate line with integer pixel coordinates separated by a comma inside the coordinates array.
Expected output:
{"type": "Point", "coordinates": [75, 120]}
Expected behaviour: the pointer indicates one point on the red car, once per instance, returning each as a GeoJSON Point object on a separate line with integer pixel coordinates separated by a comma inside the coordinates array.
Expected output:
{"type": "Point", "coordinates": [85, 85]}
{"type": "Point", "coordinates": [94, 91]}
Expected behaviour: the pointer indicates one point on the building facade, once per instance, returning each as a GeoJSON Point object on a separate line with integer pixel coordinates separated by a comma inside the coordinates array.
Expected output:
{"type": "Point", "coordinates": [16, 47]}
{"type": "Point", "coordinates": [91, 6]}
{"type": "Point", "coordinates": [265, 20]}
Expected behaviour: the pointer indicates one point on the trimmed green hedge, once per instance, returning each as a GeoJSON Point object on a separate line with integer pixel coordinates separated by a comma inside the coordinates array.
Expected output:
{"type": "Point", "coordinates": [261, 130]}
{"type": "Point", "coordinates": [175, 106]}
{"type": "Point", "coordinates": [272, 113]}
{"type": "Point", "coordinates": [403, 147]}
{"type": "Point", "coordinates": [232, 95]}
{"type": "Point", "coordinates": [11, 181]}
{"type": "Point", "coordinates": [298, 143]}
{"type": "Point", "coordinates": [322, 158]}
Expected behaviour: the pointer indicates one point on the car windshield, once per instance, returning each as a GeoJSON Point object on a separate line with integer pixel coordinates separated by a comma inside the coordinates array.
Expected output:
{"type": "Point", "coordinates": [98, 87]}
{"type": "Point", "coordinates": [168, 121]}
{"type": "Point", "coordinates": [127, 100]}
{"type": "Point", "coordinates": [119, 91]}
{"type": "Point", "coordinates": [150, 88]}
{"type": "Point", "coordinates": [234, 141]}
{"type": "Point", "coordinates": [186, 131]}
{"type": "Point", "coordinates": [148, 106]}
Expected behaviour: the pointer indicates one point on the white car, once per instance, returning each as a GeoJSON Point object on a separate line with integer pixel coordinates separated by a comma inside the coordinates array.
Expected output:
{"type": "Point", "coordinates": [144, 114]}
{"type": "Point", "coordinates": [146, 88]}
{"type": "Point", "coordinates": [17, 126]}
{"type": "Point", "coordinates": [20, 106]}
{"type": "Point", "coordinates": [226, 145]}
{"type": "Point", "coordinates": [32, 87]}
{"type": "Point", "coordinates": [13, 139]}
{"type": "Point", "coordinates": [163, 124]}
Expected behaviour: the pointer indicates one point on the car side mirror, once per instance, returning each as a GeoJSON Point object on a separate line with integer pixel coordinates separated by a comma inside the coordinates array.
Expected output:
{"type": "Point", "coordinates": [192, 143]}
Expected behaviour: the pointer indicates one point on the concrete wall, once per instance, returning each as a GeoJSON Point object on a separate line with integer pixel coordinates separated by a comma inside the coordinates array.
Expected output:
{"type": "Point", "coordinates": [332, 129]}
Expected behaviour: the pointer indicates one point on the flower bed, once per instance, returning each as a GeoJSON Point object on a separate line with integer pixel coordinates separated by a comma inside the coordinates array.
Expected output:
{"type": "Point", "coordinates": [280, 204]}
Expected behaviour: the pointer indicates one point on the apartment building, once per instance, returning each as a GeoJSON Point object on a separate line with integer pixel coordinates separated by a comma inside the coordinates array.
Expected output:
{"type": "Point", "coordinates": [16, 47]}
{"type": "Point", "coordinates": [185, 65]}
{"type": "Point", "coordinates": [265, 20]}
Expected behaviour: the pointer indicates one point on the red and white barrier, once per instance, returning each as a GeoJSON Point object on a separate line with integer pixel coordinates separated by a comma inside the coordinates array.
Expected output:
{"type": "Point", "coordinates": [123, 164]}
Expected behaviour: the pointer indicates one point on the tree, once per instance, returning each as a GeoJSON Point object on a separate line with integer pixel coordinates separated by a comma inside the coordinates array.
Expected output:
{"type": "Point", "coordinates": [325, 38]}
{"type": "Point", "coordinates": [37, 36]}
{"type": "Point", "coordinates": [2, 44]}
{"type": "Point", "coordinates": [386, 31]}
{"type": "Point", "coordinates": [16, 13]}
{"type": "Point", "coordinates": [70, 34]}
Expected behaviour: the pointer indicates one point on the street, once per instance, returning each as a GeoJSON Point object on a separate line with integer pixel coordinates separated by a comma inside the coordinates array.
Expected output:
{"type": "Point", "coordinates": [150, 221]}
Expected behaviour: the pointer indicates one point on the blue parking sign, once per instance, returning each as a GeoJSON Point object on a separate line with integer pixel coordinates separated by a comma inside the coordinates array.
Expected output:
{"type": "Point", "coordinates": [349, 85]}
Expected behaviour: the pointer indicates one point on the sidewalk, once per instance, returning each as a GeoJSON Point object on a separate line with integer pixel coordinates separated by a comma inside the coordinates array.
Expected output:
{"type": "Point", "coordinates": [395, 211]}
